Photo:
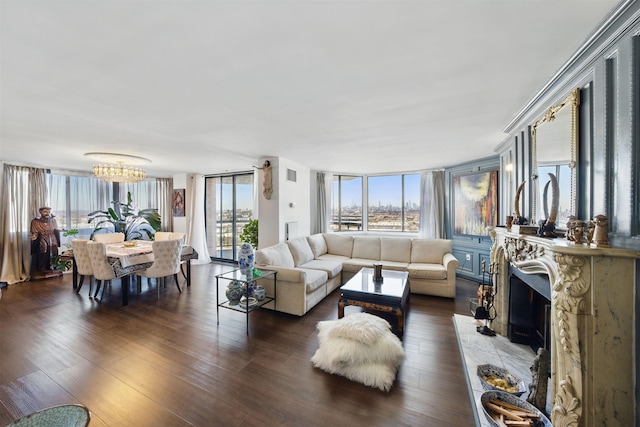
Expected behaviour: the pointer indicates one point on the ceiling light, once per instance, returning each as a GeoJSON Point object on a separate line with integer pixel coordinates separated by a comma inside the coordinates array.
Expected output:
{"type": "Point", "coordinates": [117, 167]}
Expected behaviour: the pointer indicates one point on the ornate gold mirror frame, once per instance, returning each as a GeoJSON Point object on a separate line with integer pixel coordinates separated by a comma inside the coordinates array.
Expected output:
{"type": "Point", "coordinates": [555, 150]}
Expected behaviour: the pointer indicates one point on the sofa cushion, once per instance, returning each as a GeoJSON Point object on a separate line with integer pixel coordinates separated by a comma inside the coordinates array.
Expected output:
{"type": "Point", "coordinates": [300, 250]}
{"type": "Point", "coordinates": [356, 264]}
{"type": "Point", "coordinates": [427, 271]}
{"type": "Point", "coordinates": [332, 268]}
{"type": "Point", "coordinates": [366, 248]}
{"type": "Point", "coordinates": [338, 244]}
{"type": "Point", "coordinates": [430, 251]}
{"type": "Point", "coordinates": [394, 265]}
{"type": "Point", "coordinates": [314, 279]}
{"type": "Point", "coordinates": [395, 249]}
{"type": "Point", "coordinates": [278, 255]}
{"type": "Point", "coordinates": [318, 245]}
{"type": "Point", "coordinates": [336, 258]}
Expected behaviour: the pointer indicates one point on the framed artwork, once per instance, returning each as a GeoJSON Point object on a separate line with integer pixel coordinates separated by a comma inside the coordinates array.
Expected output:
{"type": "Point", "coordinates": [177, 205]}
{"type": "Point", "coordinates": [475, 202]}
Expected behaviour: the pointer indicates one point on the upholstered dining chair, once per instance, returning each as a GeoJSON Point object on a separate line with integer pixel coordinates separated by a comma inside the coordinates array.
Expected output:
{"type": "Point", "coordinates": [166, 262]}
{"type": "Point", "coordinates": [108, 238]}
{"type": "Point", "coordinates": [102, 270]}
{"type": "Point", "coordinates": [83, 262]}
{"type": "Point", "coordinates": [168, 235]}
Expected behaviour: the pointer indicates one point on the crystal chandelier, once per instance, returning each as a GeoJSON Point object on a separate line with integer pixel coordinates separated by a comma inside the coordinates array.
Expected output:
{"type": "Point", "coordinates": [117, 167]}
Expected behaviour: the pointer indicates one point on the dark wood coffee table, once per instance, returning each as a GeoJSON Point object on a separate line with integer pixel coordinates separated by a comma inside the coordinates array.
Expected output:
{"type": "Point", "coordinates": [389, 295]}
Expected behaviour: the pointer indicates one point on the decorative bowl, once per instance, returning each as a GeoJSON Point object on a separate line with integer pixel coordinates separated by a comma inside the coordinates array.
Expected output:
{"type": "Point", "coordinates": [497, 397]}
{"type": "Point", "coordinates": [130, 243]}
{"type": "Point", "coordinates": [495, 378]}
{"type": "Point", "coordinates": [251, 302]}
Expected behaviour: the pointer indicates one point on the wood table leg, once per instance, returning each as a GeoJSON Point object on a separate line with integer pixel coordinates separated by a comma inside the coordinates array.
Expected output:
{"type": "Point", "coordinates": [340, 309]}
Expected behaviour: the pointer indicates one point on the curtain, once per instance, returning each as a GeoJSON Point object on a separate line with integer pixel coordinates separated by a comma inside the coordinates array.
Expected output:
{"type": "Point", "coordinates": [164, 195]}
{"type": "Point", "coordinates": [197, 233]}
{"type": "Point", "coordinates": [320, 225]}
{"type": "Point", "coordinates": [23, 193]}
{"type": "Point", "coordinates": [432, 205]}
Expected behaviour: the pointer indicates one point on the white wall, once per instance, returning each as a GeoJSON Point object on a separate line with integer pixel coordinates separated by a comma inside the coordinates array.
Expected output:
{"type": "Point", "coordinates": [290, 202]}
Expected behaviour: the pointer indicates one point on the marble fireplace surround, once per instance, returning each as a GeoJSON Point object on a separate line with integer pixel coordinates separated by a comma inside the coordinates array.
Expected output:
{"type": "Point", "coordinates": [592, 323]}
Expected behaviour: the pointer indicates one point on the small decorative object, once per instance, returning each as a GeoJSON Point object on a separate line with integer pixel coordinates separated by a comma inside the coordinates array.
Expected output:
{"type": "Point", "coordinates": [519, 219]}
{"type": "Point", "coordinates": [250, 288]}
{"type": "Point", "coordinates": [601, 233]}
{"type": "Point", "coordinates": [130, 244]}
{"type": "Point", "coordinates": [509, 221]}
{"type": "Point", "coordinates": [377, 272]}
{"type": "Point", "coordinates": [495, 378]}
{"type": "Point", "coordinates": [256, 273]}
{"type": "Point", "coordinates": [569, 234]}
{"type": "Point", "coordinates": [259, 293]}
{"type": "Point", "coordinates": [539, 379]}
{"type": "Point", "coordinates": [547, 226]}
{"type": "Point", "coordinates": [496, 403]}
{"type": "Point", "coordinates": [248, 303]}
{"type": "Point", "coordinates": [246, 259]}
{"type": "Point", "coordinates": [234, 292]}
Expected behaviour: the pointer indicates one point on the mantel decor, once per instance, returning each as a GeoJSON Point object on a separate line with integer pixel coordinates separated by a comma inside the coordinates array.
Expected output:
{"type": "Point", "coordinates": [118, 167]}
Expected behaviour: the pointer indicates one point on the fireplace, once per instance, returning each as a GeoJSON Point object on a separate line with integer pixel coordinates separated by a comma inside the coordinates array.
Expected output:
{"type": "Point", "coordinates": [591, 294]}
{"type": "Point", "coordinates": [529, 310]}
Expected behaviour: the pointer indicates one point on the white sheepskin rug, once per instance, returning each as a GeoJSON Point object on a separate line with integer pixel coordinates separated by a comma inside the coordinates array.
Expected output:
{"type": "Point", "coordinates": [361, 347]}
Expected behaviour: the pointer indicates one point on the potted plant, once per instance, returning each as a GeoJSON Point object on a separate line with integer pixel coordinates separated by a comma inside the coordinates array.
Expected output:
{"type": "Point", "coordinates": [250, 233]}
{"type": "Point", "coordinates": [125, 218]}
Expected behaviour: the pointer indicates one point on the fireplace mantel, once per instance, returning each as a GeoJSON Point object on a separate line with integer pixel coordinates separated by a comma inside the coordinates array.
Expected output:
{"type": "Point", "coordinates": [592, 326]}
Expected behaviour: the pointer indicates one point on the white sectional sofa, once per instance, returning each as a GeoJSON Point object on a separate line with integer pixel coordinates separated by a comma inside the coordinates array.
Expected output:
{"type": "Point", "coordinates": [310, 268]}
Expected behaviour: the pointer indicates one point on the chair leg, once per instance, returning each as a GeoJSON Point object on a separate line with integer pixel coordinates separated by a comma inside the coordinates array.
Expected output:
{"type": "Point", "coordinates": [80, 285]}
{"type": "Point", "coordinates": [104, 286]}
{"type": "Point", "coordinates": [98, 284]}
{"type": "Point", "coordinates": [175, 276]}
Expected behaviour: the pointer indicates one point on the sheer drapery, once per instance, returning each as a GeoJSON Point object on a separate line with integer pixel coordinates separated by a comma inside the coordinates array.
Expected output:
{"type": "Point", "coordinates": [197, 232]}
{"type": "Point", "coordinates": [23, 193]}
{"type": "Point", "coordinates": [164, 194]}
{"type": "Point", "coordinates": [432, 205]}
{"type": "Point", "coordinates": [320, 225]}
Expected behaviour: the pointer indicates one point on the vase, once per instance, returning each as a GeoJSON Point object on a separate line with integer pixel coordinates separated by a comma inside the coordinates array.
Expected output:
{"type": "Point", "coordinates": [246, 259]}
{"type": "Point", "coordinates": [234, 292]}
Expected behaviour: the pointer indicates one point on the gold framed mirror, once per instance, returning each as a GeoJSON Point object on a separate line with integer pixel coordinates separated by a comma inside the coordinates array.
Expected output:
{"type": "Point", "coordinates": [555, 151]}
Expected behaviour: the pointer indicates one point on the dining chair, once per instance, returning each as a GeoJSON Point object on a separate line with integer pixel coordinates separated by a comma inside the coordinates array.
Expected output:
{"type": "Point", "coordinates": [162, 235]}
{"type": "Point", "coordinates": [108, 238]}
{"type": "Point", "coordinates": [83, 262]}
{"type": "Point", "coordinates": [102, 270]}
{"type": "Point", "coordinates": [60, 415]}
{"type": "Point", "coordinates": [166, 262]}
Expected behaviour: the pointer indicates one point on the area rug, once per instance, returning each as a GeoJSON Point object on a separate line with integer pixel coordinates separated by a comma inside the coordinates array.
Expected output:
{"type": "Point", "coordinates": [360, 347]}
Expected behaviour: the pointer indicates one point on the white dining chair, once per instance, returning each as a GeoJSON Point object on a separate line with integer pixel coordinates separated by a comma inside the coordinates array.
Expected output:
{"type": "Point", "coordinates": [83, 262]}
{"type": "Point", "coordinates": [166, 262]}
{"type": "Point", "coordinates": [108, 238]}
{"type": "Point", "coordinates": [102, 270]}
{"type": "Point", "coordinates": [162, 235]}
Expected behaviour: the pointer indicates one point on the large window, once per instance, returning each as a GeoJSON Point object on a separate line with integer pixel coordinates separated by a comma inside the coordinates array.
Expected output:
{"type": "Point", "coordinates": [73, 197]}
{"type": "Point", "coordinates": [346, 203]}
{"type": "Point", "coordinates": [228, 208]}
{"type": "Point", "coordinates": [393, 203]}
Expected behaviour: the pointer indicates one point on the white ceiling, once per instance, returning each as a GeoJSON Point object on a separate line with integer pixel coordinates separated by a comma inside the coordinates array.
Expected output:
{"type": "Point", "coordinates": [211, 86]}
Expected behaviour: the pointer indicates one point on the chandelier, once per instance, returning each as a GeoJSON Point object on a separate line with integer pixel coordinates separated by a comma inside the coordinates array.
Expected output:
{"type": "Point", "coordinates": [117, 167]}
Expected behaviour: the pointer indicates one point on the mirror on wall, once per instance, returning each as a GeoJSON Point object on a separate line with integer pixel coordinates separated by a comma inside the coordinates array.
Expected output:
{"type": "Point", "coordinates": [554, 151]}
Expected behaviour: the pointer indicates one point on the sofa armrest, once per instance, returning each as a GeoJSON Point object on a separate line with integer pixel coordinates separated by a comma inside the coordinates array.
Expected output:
{"type": "Point", "coordinates": [287, 274]}
{"type": "Point", "coordinates": [451, 264]}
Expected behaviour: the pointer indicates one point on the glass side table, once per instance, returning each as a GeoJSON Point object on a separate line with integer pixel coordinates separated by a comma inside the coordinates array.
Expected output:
{"type": "Point", "coordinates": [236, 275]}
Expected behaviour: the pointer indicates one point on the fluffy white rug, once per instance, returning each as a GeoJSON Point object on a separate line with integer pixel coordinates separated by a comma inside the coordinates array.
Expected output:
{"type": "Point", "coordinates": [360, 347]}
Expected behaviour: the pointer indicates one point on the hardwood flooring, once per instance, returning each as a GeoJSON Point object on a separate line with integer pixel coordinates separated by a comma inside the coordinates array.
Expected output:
{"type": "Point", "coordinates": [166, 362]}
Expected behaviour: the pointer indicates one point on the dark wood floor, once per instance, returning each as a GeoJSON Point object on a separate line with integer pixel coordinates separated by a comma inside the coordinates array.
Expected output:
{"type": "Point", "coordinates": [166, 362]}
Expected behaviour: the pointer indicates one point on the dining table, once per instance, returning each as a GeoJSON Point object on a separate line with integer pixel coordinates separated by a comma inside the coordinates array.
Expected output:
{"type": "Point", "coordinates": [128, 258]}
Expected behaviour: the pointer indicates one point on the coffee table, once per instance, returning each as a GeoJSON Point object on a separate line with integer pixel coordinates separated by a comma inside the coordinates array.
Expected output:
{"type": "Point", "coordinates": [390, 295]}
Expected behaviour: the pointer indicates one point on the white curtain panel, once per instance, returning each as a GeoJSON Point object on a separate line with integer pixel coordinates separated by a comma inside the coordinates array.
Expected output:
{"type": "Point", "coordinates": [164, 194]}
{"type": "Point", "coordinates": [320, 225]}
{"type": "Point", "coordinates": [23, 193]}
{"type": "Point", "coordinates": [432, 205]}
{"type": "Point", "coordinates": [197, 231]}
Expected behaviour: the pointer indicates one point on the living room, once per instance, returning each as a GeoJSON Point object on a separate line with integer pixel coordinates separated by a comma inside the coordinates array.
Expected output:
{"type": "Point", "coordinates": [53, 133]}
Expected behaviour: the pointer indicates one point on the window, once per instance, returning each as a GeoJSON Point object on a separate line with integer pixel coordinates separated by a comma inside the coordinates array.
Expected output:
{"type": "Point", "coordinates": [346, 203]}
{"type": "Point", "coordinates": [73, 197]}
{"type": "Point", "coordinates": [393, 203]}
